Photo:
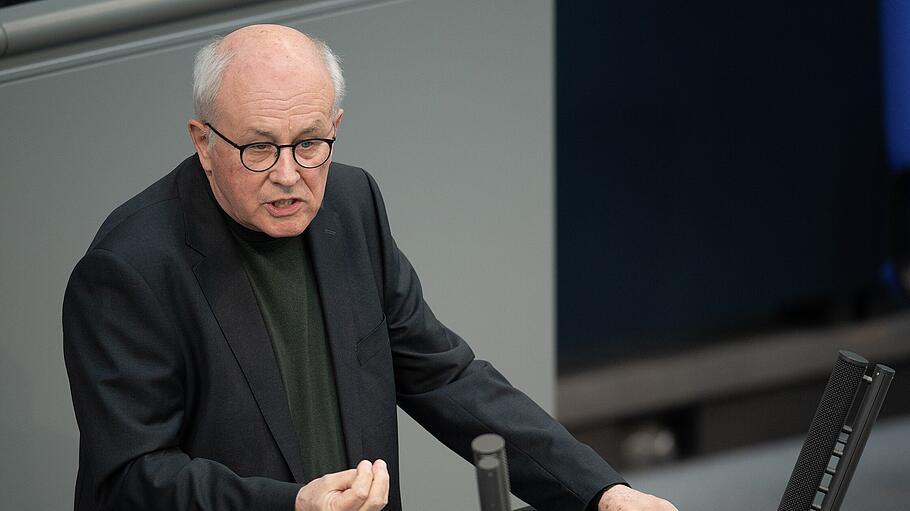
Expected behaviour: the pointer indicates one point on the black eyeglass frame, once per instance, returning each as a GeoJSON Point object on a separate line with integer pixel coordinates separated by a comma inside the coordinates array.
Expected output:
{"type": "Point", "coordinates": [278, 148]}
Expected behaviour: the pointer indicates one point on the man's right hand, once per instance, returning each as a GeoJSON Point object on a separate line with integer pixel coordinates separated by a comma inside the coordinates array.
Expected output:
{"type": "Point", "coordinates": [365, 488]}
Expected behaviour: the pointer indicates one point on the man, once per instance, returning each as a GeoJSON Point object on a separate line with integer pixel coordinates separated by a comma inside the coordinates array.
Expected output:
{"type": "Point", "coordinates": [247, 324]}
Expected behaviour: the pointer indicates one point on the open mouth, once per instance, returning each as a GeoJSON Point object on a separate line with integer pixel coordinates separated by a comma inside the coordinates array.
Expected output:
{"type": "Point", "coordinates": [284, 207]}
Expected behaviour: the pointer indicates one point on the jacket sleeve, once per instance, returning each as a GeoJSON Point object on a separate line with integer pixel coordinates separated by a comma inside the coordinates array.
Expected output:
{"type": "Point", "coordinates": [126, 377]}
{"type": "Point", "coordinates": [457, 397]}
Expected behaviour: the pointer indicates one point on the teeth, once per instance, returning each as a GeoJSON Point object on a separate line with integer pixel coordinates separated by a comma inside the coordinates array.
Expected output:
{"type": "Point", "coordinates": [283, 203]}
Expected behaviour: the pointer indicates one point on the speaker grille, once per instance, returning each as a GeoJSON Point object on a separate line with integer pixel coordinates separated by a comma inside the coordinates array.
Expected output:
{"type": "Point", "coordinates": [823, 432]}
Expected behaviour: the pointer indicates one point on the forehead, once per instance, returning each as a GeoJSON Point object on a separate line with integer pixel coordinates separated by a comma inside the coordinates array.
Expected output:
{"type": "Point", "coordinates": [276, 83]}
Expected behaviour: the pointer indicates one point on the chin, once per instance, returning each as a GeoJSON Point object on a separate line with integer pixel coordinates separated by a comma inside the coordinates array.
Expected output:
{"type": "Point", "coordinates": [285, 230]}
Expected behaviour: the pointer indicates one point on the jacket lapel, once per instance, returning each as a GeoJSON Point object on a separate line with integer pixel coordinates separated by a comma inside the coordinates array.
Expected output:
{"type": "Point", "coordinates": [327, 250]}
{"type": "Point", "coordinates": [227, 289]}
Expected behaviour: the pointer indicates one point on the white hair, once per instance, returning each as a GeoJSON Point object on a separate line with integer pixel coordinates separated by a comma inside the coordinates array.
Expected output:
{"type": "Point", "coordinates": [333, 65]}
{"type": "Point", "coordinates": [212, 60]}
{"type": "Point", "coordinates": [207, 74]}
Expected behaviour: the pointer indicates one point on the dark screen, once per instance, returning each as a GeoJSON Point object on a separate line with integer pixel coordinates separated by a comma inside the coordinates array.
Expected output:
{"type": "Point", "coordinates": [717, 162]}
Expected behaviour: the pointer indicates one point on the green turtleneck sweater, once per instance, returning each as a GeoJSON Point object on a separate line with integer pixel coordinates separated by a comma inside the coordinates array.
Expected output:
{"type": "Point", "coordinates": [283, 280]}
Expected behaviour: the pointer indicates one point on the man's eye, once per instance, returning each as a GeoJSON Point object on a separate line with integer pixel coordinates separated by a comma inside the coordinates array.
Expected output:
{"type": "Point", "coordinates": [260, 148]}
{"type": "Point", "coordinates": [305, 144]}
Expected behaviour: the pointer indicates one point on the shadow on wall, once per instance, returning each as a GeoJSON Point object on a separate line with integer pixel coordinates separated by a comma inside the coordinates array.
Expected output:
{"type": "Point", "coordinates": [35, 456]}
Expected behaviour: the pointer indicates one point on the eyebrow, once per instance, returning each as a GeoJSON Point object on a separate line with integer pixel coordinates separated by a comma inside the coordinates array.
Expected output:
{"type": "Point", "coordinates": [268, 134]}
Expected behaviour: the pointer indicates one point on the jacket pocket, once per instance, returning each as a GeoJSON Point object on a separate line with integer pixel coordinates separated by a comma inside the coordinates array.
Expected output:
{"type": "Point", "coordinates": [373, 342]}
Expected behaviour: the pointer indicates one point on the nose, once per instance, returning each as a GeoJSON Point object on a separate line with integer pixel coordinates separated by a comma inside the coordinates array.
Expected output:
{"type": "Point", "coordinates": [285, 172]}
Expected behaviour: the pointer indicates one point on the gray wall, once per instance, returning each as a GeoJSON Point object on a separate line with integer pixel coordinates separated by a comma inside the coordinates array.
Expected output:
{"type": "Point", "coordinates": [450, 107]}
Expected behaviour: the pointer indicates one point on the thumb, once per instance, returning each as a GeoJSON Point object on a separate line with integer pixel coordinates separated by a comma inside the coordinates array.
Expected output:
{"type": "Point", "coordinates": [339, 480]}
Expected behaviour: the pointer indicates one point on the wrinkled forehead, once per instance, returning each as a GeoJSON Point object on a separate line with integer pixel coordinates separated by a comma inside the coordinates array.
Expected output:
{"type": "Point", "coordinates": [275, 76]}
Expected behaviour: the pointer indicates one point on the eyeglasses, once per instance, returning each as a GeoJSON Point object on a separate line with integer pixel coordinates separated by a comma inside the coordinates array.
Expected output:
{"type": "Point", "coordinates": [261, 156]}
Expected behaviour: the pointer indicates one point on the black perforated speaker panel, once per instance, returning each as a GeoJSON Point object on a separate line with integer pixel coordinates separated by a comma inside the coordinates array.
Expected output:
{"type": "Point", "coordinates": [823, 432]}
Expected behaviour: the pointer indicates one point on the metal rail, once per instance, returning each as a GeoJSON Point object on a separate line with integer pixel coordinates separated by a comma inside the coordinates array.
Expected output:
{"type": "Point", "coordinates": [213, 20]}
{"type": "Point", "coordinates": [99, 19]}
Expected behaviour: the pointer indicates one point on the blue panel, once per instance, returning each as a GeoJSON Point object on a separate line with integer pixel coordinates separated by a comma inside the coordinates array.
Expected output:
{"type": "Point", "coordinates": [895, 27]}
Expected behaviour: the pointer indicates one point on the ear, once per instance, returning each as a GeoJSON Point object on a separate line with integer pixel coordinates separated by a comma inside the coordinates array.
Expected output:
{"type": "Point", "coordinates": [338, 118]}
{"type": "Point", "coordinates": [199, 135]}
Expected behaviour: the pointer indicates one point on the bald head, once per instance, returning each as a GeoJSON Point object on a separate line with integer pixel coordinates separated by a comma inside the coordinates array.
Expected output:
{"type": "Point", "coordinates": [256, 50]}
{"type": "Point", "coordinates": [277, 38]}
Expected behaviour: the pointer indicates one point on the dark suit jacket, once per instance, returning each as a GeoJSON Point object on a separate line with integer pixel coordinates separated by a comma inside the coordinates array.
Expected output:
{"type": "Point", "coordinates": [177, 392]}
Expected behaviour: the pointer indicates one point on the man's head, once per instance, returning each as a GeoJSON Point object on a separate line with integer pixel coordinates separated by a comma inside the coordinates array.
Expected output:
{"type": "Point", "coordinates": [265, 83]}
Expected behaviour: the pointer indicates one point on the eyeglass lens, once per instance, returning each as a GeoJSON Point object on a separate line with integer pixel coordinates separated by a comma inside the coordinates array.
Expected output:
{"type": "Point", "coordinates": [307, 153]}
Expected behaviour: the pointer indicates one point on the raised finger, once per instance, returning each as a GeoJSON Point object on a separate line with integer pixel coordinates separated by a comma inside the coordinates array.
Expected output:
{"type": "Point", "coordinates": [379, 491]}
{"type": "Point", "coordinates": [354, 497]}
